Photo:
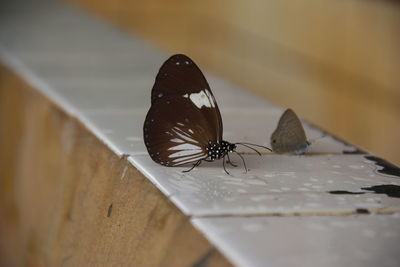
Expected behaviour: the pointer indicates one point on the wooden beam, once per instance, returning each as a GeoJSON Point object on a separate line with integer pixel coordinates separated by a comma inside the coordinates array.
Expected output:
{"type": "Point", "coordinates": [67, 200]}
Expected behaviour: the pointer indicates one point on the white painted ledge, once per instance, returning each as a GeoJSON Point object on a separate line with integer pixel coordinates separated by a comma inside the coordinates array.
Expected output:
{"type": "Point", "coordinates": [330, 241]}
{"type": "Point", "coordinates": [104, 77]}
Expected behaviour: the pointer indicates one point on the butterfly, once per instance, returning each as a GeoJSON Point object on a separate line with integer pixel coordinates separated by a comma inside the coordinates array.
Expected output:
{"type": "Point", "coordinates": [289, 136]}
{"type": "Point", "coordinates": [183, 124]}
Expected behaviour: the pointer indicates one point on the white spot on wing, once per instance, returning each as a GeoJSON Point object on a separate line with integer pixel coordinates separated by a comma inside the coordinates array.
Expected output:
{"type": "Point", "coordinates": [184, 153]}
{"type": "Point", "coordinates": [184, 147]}
{"type": "Point", "coordinates": [203, 98]}
{"type": "Point", "coordinates": [189, 159]}
{"type": "Point", "coordinates": [177, 140]}
{"type": "Point", "coordinates": [183, 135]}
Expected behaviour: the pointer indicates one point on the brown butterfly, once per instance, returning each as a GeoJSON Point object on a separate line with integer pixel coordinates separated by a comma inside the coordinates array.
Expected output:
{"type": "Point", "coordinates": [184, 123]}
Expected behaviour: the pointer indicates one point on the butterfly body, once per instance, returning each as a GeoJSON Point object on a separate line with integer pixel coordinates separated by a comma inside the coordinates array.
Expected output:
{"type": "Point", "coordinates": [289, 136]}
{"type": "Point", "coordinates": [219, 150]}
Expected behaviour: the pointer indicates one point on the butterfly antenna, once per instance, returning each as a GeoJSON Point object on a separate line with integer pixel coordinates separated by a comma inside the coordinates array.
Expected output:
{"type": "Point", "coordinates": [244, 162]}
{"type": "Point", "coordinates": [223, 165]}
{"type": "Point", "coordinates": [194, 166]}
{"type": "Point", "coordinates": [267, 148]}
{"type": "Point", "coordinates": [250, 148]}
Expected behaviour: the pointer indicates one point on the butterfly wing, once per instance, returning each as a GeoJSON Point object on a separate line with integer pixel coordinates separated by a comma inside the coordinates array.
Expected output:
{"type": "Point", "coordinates": [180, 77]}
{"type": "Point", "coordinates": [183, 117]}
{"type": "Point", "coordinates": [289, 135]}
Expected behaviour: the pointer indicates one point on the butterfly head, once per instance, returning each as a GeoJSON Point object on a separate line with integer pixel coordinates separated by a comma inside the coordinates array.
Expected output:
{"type": "Point", "coordinates": [217, 150]}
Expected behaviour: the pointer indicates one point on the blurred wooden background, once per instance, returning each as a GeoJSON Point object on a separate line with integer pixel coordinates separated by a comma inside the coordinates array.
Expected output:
{"type": "Point", "coordinates": [335, 62]}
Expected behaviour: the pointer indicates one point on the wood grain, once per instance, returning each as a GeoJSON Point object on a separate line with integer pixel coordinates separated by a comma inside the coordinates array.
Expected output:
{"type": "Point", "coordinates": [67, 200]}
{"type": "Point", "coordinates": [336, 63]}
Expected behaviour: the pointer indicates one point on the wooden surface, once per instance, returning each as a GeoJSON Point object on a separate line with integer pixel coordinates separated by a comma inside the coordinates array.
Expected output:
{"type": "Point", "coordinates": [67, 200]}
{"type": "Point", "coordinates": [336, 63]}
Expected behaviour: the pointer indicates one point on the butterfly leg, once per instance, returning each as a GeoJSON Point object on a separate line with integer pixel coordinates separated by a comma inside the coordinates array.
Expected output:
{"type": "Point", "coordinates": [223, 165]}
{"type": "Point", "coordinates": [244, 162]}
{"type": "Point", "coordinates": [230, 162]}
{"type": "Point", "coordinates": [194, 166]}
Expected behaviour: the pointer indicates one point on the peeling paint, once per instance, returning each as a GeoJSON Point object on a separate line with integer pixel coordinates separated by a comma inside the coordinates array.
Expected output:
{"type": "Point", "coordinates": [356, 151]}
{"type": "Point", "coordinates": [390, 190]}
{"type": "Point", "coordinates": [387, 167]}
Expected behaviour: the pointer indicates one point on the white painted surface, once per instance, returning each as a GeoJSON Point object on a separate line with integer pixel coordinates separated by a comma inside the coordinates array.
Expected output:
{"type": "Point", "coordinates": [356, 241]}
{"type": "Point", "coordinates": [121, 130]}
{"type": "Point", "coordinates": [274, 184]}
{"type": "Point", "coordinates": [104, 77]}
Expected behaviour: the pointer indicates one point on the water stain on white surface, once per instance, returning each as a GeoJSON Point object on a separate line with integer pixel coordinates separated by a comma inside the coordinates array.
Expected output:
{"type": "Point", "coordinates": [257, 198]}
{"type": "Point", "coordinates": [256, 182]}
{"type": "Point", "coordinates": [241, 190]}
{"type": "Point", "coordinates": [303, 189]}
{"type": "Point", "coordinates": [356, 167]}
{"type": "Point", "coordinates": [281, 173]}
